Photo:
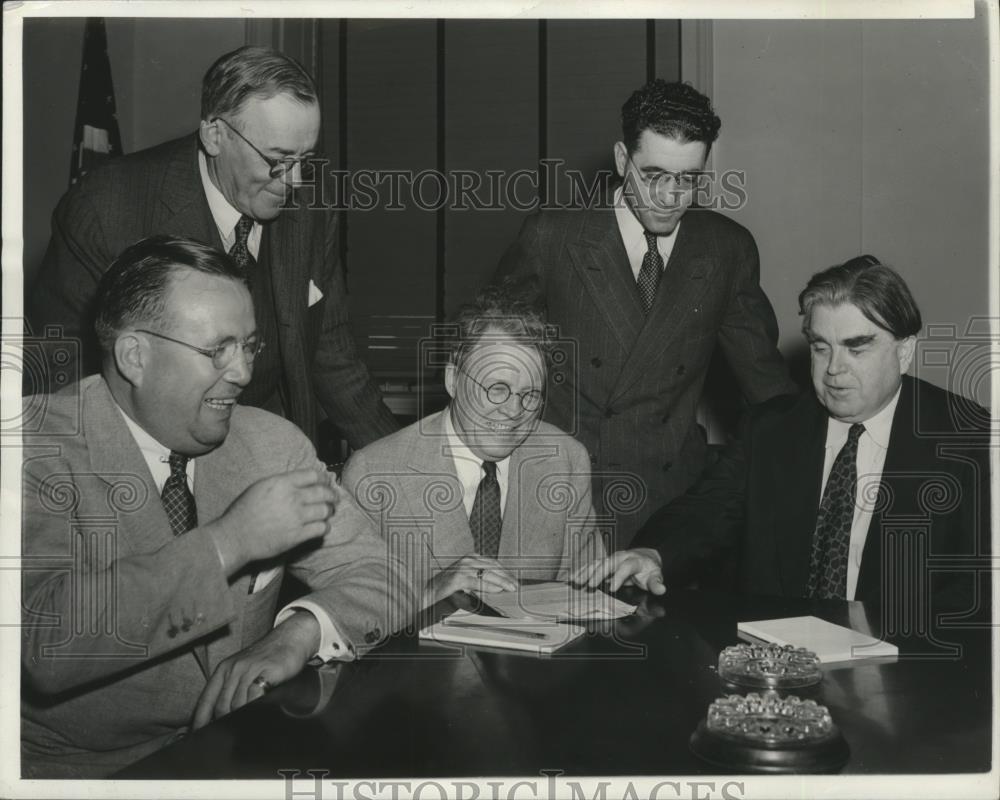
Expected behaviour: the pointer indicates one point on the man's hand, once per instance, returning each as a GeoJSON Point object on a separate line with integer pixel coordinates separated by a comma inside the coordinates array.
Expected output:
{"type": "Point", "coordinates": [277, 657]}
{"type": "Point", "coordinates": [273, 515]}
{"type": "Point", "coordinates": [470, 573]}
{"type": "Point", "coordinates": [639, 567]}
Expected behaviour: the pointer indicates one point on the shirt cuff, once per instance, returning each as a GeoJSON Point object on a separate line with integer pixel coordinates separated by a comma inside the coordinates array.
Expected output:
{"type": "Point", "coordinates": [332, 646]}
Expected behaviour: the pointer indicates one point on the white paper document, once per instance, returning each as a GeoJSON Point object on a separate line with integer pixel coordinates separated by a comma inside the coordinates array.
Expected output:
{"type": "Point", "coordinates": [556, 600]}
{"type": "Point", "coordinates": [828, 641]}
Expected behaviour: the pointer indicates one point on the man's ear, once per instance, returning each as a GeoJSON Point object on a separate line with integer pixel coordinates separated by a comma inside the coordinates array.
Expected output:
{"type": "Point", "coordinates": [131, 356]}
{"type": "Point", "coordinates": [449, 379]}
{"type": "Point", "coordinates": [210, 136]}
{"type": "Point", "coordinates": [621, 158]}
{"type": "Point", "coordinates": [905, 349]}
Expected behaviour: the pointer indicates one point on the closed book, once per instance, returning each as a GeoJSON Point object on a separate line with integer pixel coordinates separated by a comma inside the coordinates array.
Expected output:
{"type": "Point", "coordinates": [828, 641]}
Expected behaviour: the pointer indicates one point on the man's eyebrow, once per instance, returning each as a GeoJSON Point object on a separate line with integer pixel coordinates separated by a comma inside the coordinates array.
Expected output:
{"type": "Point", "coordinates": [859, 341]}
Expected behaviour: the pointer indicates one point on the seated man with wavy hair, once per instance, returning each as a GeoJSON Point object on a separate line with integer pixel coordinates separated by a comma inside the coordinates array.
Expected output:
{"type": "Point", "coordinates": [483, 494]}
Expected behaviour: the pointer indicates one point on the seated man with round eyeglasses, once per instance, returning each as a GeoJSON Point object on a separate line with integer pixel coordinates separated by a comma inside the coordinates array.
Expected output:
{"type": "Point", "coordinates": [483, 495]}
{"type": "Point", "coordinates": [159, 514]}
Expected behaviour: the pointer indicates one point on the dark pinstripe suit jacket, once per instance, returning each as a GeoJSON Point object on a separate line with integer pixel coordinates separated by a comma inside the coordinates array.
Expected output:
{"type": "Point", "coordinates": [159, 191]}
{"type": "Point", "coordinates": [630, 389]}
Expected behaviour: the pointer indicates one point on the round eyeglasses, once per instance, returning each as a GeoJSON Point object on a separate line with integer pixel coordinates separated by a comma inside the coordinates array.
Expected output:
{"type": "Point", "coordinates": [222, 355]}
{"type": "Point", "coordinates": [499, 393]}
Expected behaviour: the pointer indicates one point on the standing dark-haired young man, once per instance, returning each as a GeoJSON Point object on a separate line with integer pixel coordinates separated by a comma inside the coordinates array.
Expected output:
{"type": "Point", "coordinates": [647, 290]}
{"type": "Point", "coordinates": [230, 186]}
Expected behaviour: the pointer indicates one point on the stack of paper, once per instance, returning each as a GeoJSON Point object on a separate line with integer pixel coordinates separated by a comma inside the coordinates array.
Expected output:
{"type": "Point", "coordinates": [828, 641]}
{"type": "Point", "coordinates": [537, 636]}
{"type": "Point", "coordinates": [556, 601]}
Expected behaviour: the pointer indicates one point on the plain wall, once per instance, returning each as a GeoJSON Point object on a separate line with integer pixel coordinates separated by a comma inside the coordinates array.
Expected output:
{"type": "Point", "coordinates": [862, 137]}
{"type": "Point", "coordinates": [156, 66]}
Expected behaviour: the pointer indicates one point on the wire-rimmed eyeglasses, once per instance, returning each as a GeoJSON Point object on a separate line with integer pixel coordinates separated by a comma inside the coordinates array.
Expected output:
{"type": "Point", "coordinates": [278, 166]}
{"type": "Point", "coordinates": [222, 355]}
{"type": "Point", "coordinates": [499, 393]}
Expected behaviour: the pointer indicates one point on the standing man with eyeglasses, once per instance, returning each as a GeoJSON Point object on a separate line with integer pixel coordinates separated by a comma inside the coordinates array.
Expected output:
{"type": "Point", "coordinates": [648, 288]}
{"type": "Point", "coordinates": [483, 495]}
{"type": "Point", "coordinates": [229, 186]}
{"type": "Point", "coordinates": [158, 518]}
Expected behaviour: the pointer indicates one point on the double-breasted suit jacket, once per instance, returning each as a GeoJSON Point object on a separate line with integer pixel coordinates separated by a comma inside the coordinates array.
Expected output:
{"type": "Point", "coordinates": [630, 386]}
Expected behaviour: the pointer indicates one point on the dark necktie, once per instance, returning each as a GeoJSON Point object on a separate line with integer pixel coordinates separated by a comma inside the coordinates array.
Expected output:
{"type": "Point", "coordinates": [178, 501]}
{"type": "Point", "coordinates": [240, 251]}
{"type": "Point", "coordinates": [649, 274]}
{"type": "Point", "coordinates": [832, 539]}
{"type": "Point", "coordinates": [485, 517]}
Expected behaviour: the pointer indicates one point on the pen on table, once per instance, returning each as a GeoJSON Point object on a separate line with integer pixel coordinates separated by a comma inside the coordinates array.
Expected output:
{"type": "Point", "coordinates": [494, 629]}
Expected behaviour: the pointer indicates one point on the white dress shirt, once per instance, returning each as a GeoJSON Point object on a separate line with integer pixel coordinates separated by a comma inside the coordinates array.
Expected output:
{"type": "Point", "coordinates": [469, 468]}
{"type": "Point", "coordinates": [634, 236]}
{"type": "Point", "coordinates": [872, 447]}
{"type": "Point", "coordinates": [224, 214]}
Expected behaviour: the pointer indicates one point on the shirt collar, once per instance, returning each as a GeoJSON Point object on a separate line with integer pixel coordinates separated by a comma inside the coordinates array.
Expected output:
{"type": "Point", "coordinates": [878, 427]}
{"type": "Point", "coordinates": [223, 213]}
{"type": "Point", "coordinates": [460, 451]}
{"type": "Point", "coordinates": [630, 227]}
{"type": "Point", "coordinates": [151, 449]}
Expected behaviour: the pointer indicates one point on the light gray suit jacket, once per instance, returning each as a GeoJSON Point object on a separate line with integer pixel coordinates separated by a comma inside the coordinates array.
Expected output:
{"type": "Point", "coordinates": [407, 483]}
{"type": "Point", "coordinates": [123, 621]}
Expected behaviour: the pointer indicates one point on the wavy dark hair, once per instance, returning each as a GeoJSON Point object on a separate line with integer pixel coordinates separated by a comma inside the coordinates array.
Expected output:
{"type": "Point", "coordinates": [677, 110]}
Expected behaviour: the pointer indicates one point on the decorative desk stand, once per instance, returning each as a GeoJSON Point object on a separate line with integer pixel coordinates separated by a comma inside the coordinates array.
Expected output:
{"type": "Point", "coordinates": [769, 666]}
{"type": "Point", "coordinates": [769, 733]}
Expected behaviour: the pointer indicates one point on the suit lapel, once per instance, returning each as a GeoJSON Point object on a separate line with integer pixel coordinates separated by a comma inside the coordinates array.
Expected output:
{"type": "Point", "coordinates": [687, 275]}
{"type": "Point", "coordinates": [115, 456]}
{"type": "Point", "coordinates": [184, 208]}
{"type": "Point", "coordinates": [601, 263]}
{"type": "Point", "coordinates": [903, 454]}
{"type": "Point", "coordinates": [430, 457]}
{"type": "Point", "coordinates": [796, 462]}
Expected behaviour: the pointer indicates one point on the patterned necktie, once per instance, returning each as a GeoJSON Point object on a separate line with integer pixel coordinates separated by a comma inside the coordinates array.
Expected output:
{"type": "Point", "coordinates": [649, 275]}
{"type": "Point", "coordinates": [832, 539]}
{"type": "Point", "coordinates": [178, 501]}
{"type": "Point", "coordinates": [485, 517]}
{"type": "Point", "coordinates": [240, 251]}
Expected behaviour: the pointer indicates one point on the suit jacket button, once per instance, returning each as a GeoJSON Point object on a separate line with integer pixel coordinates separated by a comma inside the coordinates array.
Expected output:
{"type": "Point", "coordinates": [666, 418]}
{"type": "Point", "coordinates": [609, 413]}
{"type": "Point", "coordinates": [595, 361]}
{"type": "Point", "coordinates": [667, 466]}
{"type": "Point", "coordinates": [680, 370]}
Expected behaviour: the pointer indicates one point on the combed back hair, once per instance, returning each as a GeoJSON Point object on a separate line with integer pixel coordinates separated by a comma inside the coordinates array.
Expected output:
{"type": "Point", "coordinates": [878, 292]}
{"type": "Point", "coordinates": [132, 293]}
{"type": "Point", "coordinates": [501, 312]}
{"type": "Point", "coordinates": [252, 73]}
{"type": "Point", "coordinates": [676, 110]}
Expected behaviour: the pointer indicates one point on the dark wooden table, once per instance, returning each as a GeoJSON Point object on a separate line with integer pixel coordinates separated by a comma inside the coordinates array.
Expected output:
{"type": "Point", "coordinates": [621, 701]}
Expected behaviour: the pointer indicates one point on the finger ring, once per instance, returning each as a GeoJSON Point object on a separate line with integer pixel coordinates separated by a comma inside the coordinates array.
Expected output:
{"type": "Point", "coordinates": [262, 682]}
{"type": "Point", "coordinates": [480, 572]}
